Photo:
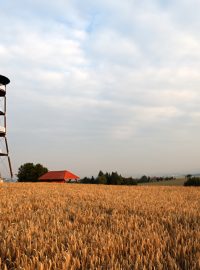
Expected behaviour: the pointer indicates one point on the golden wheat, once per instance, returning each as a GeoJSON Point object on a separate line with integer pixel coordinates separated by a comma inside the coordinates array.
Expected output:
{"type": "Point", "coordinates": [63, 226]}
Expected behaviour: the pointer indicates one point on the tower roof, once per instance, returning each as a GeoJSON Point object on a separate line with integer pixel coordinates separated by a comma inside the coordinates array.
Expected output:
{"type": "Point", "coordinates": [4, 80]}
{"type": "Point", "coordinates": [58, 175]}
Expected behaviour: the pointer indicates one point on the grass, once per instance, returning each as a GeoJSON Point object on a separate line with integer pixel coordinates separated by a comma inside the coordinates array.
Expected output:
{"type": "Point", "coordinates": [63, 226]}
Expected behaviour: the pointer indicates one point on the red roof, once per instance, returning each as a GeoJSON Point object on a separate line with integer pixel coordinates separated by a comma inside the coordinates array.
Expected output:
{"type": "Point", "coordinates": [58, 175]}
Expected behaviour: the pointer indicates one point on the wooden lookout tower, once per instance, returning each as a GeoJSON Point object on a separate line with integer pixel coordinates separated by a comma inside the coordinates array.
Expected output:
{"type": "Point", "coordinates": [4, 152]}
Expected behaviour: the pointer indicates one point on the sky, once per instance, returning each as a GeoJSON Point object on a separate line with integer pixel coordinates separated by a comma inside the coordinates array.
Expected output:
{"type": "Point", "coordinates": [103, 85]}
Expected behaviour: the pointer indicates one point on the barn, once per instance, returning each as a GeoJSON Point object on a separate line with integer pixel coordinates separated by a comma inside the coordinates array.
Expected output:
{"type": "Point", "coordinates": [59, 177]}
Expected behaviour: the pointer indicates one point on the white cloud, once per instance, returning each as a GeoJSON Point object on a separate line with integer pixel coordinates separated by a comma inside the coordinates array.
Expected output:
{"type": "Point", "coordinates": [102, 72]}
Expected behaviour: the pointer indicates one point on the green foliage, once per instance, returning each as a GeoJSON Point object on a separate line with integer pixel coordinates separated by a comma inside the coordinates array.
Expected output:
{"type": "Point", "coordinates": [148, 179]}
{"type": "Point", "coordinates": [29, 172]}
{"type": "Point", "coordinates": [85, 180]}
{"type": "Point", "coordinates": [116, 179]}
{"type": "Point", "coordinates": [192, 181]}
{"type": "Point", "coordinates": [101, 173]}
{"type": "Point", "coordinates": [110, 179]}
{"type": "Point", "coordinates": [129, 181]}
{"type": "Point", "coordinates": [101, 179]}
{"type": "Point", "coordinates": [144, 179]}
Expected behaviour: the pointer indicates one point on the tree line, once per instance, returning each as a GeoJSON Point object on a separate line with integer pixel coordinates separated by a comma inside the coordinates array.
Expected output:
{"type": "Point", "coordinates": [192, 180]}
{"type": "Point", "coordinates": [116, 179]}
{"type": "Point", "coordinates": [109, 179]}
{"type": "Point", "coordinates": [30, 172]}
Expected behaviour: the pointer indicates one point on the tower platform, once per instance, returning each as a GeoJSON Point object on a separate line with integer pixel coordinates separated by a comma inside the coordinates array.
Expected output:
{"type": "Point", "coordinates": [3, 155]}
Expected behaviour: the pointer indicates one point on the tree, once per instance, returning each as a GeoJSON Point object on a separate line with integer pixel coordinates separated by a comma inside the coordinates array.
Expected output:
{"type": "Point", "coordinates": [115, 179]}
{"type": "Point", "coordinates": [195, 181]}
{"type": "Point", "coordinates": [101, 173]}
{"type": "Point", "coordinates": [92, 180]}
{"type": "Point", "coordinates": [144, 179]}
{"type": "Point", "coordinates": [29, 172]}
{"type": "Point", "coordinates": [189, 176]}
{"type": "Point", "coordinates": [101, 179]}
{"type": "Point", "coordinates": [128, 181]}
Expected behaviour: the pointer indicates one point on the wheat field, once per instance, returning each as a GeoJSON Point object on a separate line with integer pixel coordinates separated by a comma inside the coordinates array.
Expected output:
{"type": "Point", "coordinates": [76, 226]}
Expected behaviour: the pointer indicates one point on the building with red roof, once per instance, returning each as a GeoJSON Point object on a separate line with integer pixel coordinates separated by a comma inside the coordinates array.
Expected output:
{"type": "Point", "coordinates": [59, 177]}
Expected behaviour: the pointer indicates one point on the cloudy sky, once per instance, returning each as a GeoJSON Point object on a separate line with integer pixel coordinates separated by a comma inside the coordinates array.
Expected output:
{"type": "Point", "coordinates": [97, 84]}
